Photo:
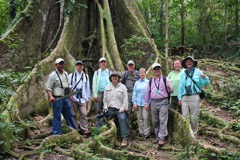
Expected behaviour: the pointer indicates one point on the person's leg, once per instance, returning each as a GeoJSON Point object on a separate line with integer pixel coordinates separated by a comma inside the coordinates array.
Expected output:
{"type": "Point", "coordinates": [194, 112]}
{"type": "Point", "coordinates": [146, 122]}
{"type": "Point", "coordinates": [75, 111]}
{"type": "Point", "coordinates": [67, 113]}
{"type": "Point", "coordinates": [163, 119]}
{"type": "Point", "coordinates": [155, 116]}
{"type": "Point", "coordinates": [122, 120]}
{"type": "Point", "coordinates": [185, 107]}
{"type": "Point", "coordinates": [129, 112]}
{"type": "Point", "coordinates": [99, 103]}
{"type": "Point", "coordinates": [83, 117]}
{"type": "Point", "coordinates": [56, 123]}
{"type": "Point", "coordinates": [140, 121]}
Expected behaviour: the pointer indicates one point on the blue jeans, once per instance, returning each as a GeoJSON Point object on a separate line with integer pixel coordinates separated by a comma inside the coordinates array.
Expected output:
{"type": "Point", "coordinates": [63, 107]}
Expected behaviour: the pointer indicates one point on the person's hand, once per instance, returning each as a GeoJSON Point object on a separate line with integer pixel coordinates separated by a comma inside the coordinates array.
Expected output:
{"type": "Point", "coordinates": [95, 99]}
{"type": "Point", "coordinates": [121, 109]}
{"type": "Point", "coordinates": [203, 75]}
{"type": "Point", "coordinates": [52, 99]}
{"type": "Point", "coordinates": [71, 98]}
{"type": "Point", "coordinates": [168, 85]}
{"type": "Point", "coordinates": [135, 107]}
{"type": "Point", "coordinates": [147, 107]}
{"type": "Point", "coordinates": [105, 108]}
{"type": "Point", "coordinates": [179, 102]}
{"type": "Point", "coordinates": [87, 102]}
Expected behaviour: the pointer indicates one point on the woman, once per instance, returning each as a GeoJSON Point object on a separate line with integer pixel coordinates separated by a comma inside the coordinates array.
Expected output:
{"type": "Point", "coordinates": [174, 77]}
{"type": "Point", "coordinates": [139, 92]}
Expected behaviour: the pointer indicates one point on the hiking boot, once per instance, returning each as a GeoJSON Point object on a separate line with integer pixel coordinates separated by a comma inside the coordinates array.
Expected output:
{"type": "Point", "coordinates": [147, 136]}
{"type": "Point", "coordinates": [124, 142]}
{"type": "Point", "coordinates": [155, 141]}
{"type": "Point", "coordinates": [85, 132]}
{"type": "Point", "coordinates": [160, 142]}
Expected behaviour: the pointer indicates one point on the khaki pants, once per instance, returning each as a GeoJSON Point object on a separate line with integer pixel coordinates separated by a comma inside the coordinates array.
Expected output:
{"type": "Point", "coordinates": [191, 110]}
{"type": "Point", "coordinates": [99, 103]}
{"type": "Point", "coordinates": [80, 114]}
{"type": "Point", "coordinates": [143, 121]}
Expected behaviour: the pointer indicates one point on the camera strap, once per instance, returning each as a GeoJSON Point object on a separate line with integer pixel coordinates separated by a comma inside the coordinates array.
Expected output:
{"type": "Point", "coordinates": [60, 78]}
{"type": "Point", "coordinates": [78, 81]}
{"type": "Point", "coordinates": [193, 80]}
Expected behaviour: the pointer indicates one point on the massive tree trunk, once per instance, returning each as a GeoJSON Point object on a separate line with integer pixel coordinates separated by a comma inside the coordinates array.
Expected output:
{"type": "Point", "coordinates": [90, 29]}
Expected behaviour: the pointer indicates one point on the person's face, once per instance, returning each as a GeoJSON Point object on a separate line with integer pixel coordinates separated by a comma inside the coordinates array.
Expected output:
{"type": "Point", "coordinates": [177, 65]}
{"type": "Point", "coordinates": [79, 67]}
{"type": "Point", "coordinates": [142, 74]}
{"type": "Point", "coordinates": [131, 67]}
{"type": "Point", "coordinates": [157, 71]}
{"type": "Point", "coordinates": [60, 66]}
{"type": "Point", "coordinates": [189, 63]}
{"type": "Point", "coordinates": [114, 78]}
{"type": "Point", "coordinates": [103, 64]}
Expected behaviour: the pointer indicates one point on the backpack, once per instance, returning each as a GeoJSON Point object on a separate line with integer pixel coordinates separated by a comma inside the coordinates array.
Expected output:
{"type": "Point", "coordinates": [125, 76]}
{"type": "Point", "coordinates": [164, 80]}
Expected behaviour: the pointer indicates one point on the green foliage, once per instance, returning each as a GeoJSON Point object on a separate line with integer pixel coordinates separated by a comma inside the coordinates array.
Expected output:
{"type": "Point", "coordinates": [73, 5]}
{"type": "Point", "coordinates": [133, 47]}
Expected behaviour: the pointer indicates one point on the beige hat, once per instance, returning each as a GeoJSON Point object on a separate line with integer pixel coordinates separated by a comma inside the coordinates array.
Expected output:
{"type": "Point", "coordinates": [156, 65]}
{"type": "Point", "coordinates": [130, 62]}
{"type": "Point", "coordinates": [59, 60]}
{"type": "Point", "coordinates": [102, 59]}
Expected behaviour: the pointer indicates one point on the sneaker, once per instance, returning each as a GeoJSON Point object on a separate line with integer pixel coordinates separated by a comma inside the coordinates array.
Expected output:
{"type": "Point", "coordinates": [140, 135]}
{"type": "Point", "coordinates": [124, 142]}
{"type": "Point", "coordinates": [160, 142]}
{"type": "Point", "coordinates": [155, 141]}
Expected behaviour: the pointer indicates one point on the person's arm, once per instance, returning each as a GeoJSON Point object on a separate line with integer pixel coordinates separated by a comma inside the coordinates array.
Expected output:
{"type": "Point", "coordinates": [87, 89]}
{"type": "Point", "coordinates": [169, 86]}
{"type": "Point", "coordinates": [49, 87]}
{"type": "Point", "coordinates": [94, 85]}
{"type": "Point", "coordinates": [134, 96]}
{"type": "Point", "coordinates": [125, 100]}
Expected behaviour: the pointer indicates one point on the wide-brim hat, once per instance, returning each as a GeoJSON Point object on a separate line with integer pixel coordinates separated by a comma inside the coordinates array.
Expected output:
{"type": "Point", "coordinates": [115, 73]}
{"type": "Point", "coordinates": [189, 57]}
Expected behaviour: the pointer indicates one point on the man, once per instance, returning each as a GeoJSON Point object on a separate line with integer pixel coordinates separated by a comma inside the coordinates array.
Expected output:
{"type": "Point", "coordinates": [116, 104]}
{"type": "Point", "coordinates": [157, 96]}
{"type": "Point", "coordinates": [129, 78]}
{"type": "Point", "coordinates": [190, 86]}
{"type": "Point", "coordinates": [57, 86]}
{"type": "Point", "coordinates": [100, 81]}
{"type": "Point", "coordinates": [80, 82]}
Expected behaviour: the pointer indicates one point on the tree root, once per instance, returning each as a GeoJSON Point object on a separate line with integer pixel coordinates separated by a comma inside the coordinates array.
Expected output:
{"type": "Point", "coordinates": [27, 154]}
{"type": "Point", "coordinates": [64, 152]}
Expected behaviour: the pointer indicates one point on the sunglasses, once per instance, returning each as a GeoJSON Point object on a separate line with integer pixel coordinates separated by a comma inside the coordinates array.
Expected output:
{"type": "Point", "coordinates": [157, 68]}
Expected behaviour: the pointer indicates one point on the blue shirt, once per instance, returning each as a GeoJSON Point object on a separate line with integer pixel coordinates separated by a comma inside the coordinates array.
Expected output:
{"type": "Point", "coordinates": [139, 91]}
{"type": "Point", "coordinates": [104, 79]}
{"type": "Point", "coordinates": [186, 81]}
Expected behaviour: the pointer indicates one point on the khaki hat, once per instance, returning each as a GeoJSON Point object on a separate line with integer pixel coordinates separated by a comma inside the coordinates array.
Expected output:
{"type": "Point", "coordinates": [189, 57]}
{"type": "Point", "coordinates": [59, 60]}
{"type": "Point", "coordinates": [156, 65]}
{"type": "Point", "coordinates": [102, 59]}
{"type": "Point", "coordinates": [130, 62]}
{"type": "Point", "coordinates": [79, 62]}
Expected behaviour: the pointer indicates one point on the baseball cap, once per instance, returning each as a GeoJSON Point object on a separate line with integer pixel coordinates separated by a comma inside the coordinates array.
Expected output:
{"type": "Point", "coordinates": [102, 59]}
{"type": "Point", "coordinates": [58, 60]}
{"type": "Point", "coordinates": [130, 62]}
{"type": "Point", "coordinates": [79, 62]}
{"type": "Point", "coordinates": [156, 65]}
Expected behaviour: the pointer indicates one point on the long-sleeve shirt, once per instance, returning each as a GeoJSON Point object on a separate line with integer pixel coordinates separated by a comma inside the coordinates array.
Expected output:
{"type": "Point", "coordinates": [97, 77]}
{"type": "Point", "coordinates": [115, 96]}
{"type": "Point", "coordinates": [83, 85]}
{"type": "Point", "coordinates": [186, 81]}
{"type": "Point", "coordinates": [139, 92]}
{"type": "Point", "coordinates": [157, 90]}
{"type": "Point", "coordinates": [174, 79]}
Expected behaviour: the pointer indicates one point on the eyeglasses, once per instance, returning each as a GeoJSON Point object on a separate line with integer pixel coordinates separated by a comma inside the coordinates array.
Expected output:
{"type": "Point", "coordinates": [157, 68]}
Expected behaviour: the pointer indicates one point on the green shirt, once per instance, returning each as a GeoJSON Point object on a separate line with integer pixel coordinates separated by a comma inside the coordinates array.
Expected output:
{"type": "Point", "coordinates": [174, 79]}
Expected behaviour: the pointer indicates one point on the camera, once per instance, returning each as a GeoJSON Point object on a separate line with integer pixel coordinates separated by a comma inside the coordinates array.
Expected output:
{"type": "Point", "coordinates": [188, 90]}
{"type": "Point", "coordinates": [66, 91]}
{"type": "Point", "coordinates": [79, 95]}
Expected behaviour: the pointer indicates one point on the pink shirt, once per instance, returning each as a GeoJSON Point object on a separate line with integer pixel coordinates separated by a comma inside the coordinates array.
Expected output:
{"type": "Point", "coordinates": [158, 89]}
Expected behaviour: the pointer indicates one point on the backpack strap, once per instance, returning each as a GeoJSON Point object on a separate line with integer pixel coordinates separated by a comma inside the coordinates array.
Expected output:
{"type": "Point", "coordinates": [59, 79]}
{"type": "Point", "coordinates": [78, 81]}
{"type": "Point", "coordinates": [125, 75]}
{"type": "Point", "coordinates": [164, 80]}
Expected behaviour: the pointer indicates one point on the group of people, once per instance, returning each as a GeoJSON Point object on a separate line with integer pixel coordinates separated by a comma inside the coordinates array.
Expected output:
{"type": "Point", "coordinates": [120, 94]}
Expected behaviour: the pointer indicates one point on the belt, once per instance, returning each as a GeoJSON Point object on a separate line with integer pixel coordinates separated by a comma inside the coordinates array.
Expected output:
{"type": "Point", "coordinates": [56, 96]}
{"type": "Point", "coordinates": [99, 92]}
